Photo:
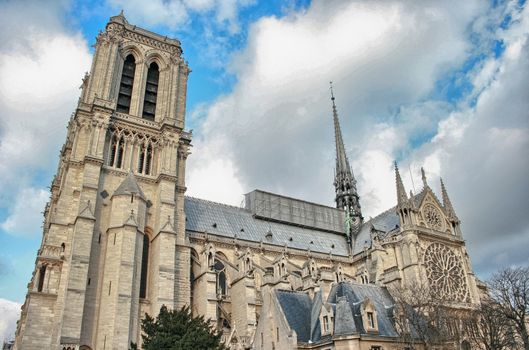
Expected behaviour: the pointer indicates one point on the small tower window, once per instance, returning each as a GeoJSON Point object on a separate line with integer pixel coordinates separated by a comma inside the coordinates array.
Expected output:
{"type": "Point", "coordinates": [144, 266]}
{"type": "Point", "coordinates": [125, 87]}
{"type": "Point", "coordinates": [42, 274]}
{"type": "Point", "coordinates": [151, 92]}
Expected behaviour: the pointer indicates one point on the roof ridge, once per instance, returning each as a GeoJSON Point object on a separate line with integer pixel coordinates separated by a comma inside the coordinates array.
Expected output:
{"type": "Point", "coordinates": [217, 203]}
{"type": "Point", "coordinates": [293, 198]}
{"type": "Point", "coordinates": [384, 212]}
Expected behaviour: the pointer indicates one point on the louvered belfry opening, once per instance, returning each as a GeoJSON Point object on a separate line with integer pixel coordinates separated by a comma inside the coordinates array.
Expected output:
{"type": "Point", "coordinates": [125, 87]}
{"type": "Point", "coordinates": [151, 91]}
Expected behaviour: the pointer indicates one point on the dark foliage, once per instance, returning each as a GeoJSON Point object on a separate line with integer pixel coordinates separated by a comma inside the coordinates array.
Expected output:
{"type": "Point", "coordinates": [179, 330]}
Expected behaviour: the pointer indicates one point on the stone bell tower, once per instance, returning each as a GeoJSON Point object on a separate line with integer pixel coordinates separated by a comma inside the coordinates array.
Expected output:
{"type": "Point", "coordinates": [113, 245]}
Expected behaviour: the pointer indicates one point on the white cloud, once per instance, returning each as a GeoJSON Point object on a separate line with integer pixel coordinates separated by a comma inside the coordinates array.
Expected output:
{"type": "Point", "coordinates": [176, 14]}
{"type": "Point", "coordinates": [274, 130]}
{"type": "Point", "coordinates": [26, 214]}
{"type": "Point", "coordinates": [380, 55]}
{"type": "Point", "coordinates": [10, 312]}
{"type": "Point", "coordinates": [41, 65]}
{"type": "Point", "coordinates": [482, 154]}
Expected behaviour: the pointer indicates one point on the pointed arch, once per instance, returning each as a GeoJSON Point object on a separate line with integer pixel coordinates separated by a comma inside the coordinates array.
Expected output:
{"type": "Point", "coordinates": [151, 91]}
{"type": "Point", "coordinates": [145, 262]}
{"type": "Point", "coordinates": [42, 275]}
{"type": "Point", "coordinates": [126, 84]}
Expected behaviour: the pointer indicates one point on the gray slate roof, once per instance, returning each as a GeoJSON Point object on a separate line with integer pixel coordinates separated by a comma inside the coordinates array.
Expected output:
{"type": "Point", "coordinates": [355, 294]}
{"type": "Point", "coordinates": [296, 307]}
{"type": "Point", "coordinates": [228, 221]}
{"type": "Point", "coordinates": [384, 222]}
{"type": "Point", "coordinates": [129, 186]}
{"type": "Point", "coordinates": [346, 299]}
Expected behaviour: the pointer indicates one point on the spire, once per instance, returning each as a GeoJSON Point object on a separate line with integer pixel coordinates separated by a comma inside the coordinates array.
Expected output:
{"type": "Point", "coordinates": [342, 163]}
{"type": "Point", "coordinates": [447, 204]}
{"type": "Point", "coordinates": [344, 181]}
{"type": "Point", "coordinates": [402, 198]}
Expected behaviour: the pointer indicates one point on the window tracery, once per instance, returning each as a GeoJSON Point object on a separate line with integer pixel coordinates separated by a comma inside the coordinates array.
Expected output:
{"type": "Point", "coordinates": [444, 270]}
{"type": "Point", "coordinates": [433, 217]}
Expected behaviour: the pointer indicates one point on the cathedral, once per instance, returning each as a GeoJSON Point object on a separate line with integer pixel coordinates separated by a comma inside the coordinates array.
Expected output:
{"type": "Point", "coordinates": [121, 238]}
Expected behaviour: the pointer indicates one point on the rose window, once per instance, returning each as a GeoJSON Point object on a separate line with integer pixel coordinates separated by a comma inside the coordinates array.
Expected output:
{"type": "Point", "coordinates": [444, 270]}
{"type": "Point", "coordinates": [433, 217]}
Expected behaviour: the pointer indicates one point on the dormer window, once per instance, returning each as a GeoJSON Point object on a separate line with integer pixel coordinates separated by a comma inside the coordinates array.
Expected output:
{"type": "Point", "coordinates": [327, 319]}
{"type": "Point", "coordinates": [151, 92]}
{"type": "Point", "coordinates": [125, 87]}
{"type": "Point", "coordinates": [369, 316]}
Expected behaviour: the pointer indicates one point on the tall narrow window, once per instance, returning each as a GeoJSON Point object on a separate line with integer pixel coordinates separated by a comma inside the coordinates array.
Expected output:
{"type": "Point", "coordinates": [119, 154]}
{"type": "Point", "coordinates": [42, 274]}
{"type": "Point", "coordinates": [141, 158]}
{"type": "Point", "coordinates": [221, 278]}
{"type": "Point", "coordinates": [125, 87]}
{"type": "Point", "coordinates": [148, 160]}
{"type": "Point", "coordinates": [370, 320]}
{"type": "Point", "coordinates": [144, 265]}
{"type": "Point", "coordinates": [151, 91]}
{"type": "Point", "coordinates": [113, 149]}
{"type": "Point", "coordinates": [116, 151]}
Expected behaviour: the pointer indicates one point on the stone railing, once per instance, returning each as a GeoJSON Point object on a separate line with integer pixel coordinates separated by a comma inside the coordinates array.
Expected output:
{"type": "Point", "coordinates": [51, 252]}
{"type": "Point", "coordinates": [136, 120]}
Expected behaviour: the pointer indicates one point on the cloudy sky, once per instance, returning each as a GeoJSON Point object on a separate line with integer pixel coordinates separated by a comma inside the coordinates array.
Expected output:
{"type": "Point", "coordinates": [440, 84]}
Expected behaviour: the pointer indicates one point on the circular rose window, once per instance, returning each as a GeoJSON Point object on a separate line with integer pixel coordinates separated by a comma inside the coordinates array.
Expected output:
{"type": "Point", "coordinates": [433, 217]}
{"type": "Point", "coordinates": [445, 273]}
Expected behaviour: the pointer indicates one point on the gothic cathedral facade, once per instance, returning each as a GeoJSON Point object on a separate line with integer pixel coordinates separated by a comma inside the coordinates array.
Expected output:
{"type": "Point", "coordinates": [121, 239]}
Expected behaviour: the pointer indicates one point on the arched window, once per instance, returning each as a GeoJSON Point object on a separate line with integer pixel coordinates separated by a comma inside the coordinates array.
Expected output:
{"type": "Point", "coordinates": [151, 91]}
{"type": "Point", "coordinates": [42, 274]}
{"type": "Point", "coordinates": [125, 87]}
{"type": "Point", "coordinates": [116, 151]}
{"type": "Point", "coordinates": [144, 266]}
{"type": "Point", "coordinates": [141, 158]}
{"type": "Point", "coordinates": [221, 277]}
{"type": "Point", "coordinates": [148, 160]}
{"type": "Point", "coordinates": [145, 159]}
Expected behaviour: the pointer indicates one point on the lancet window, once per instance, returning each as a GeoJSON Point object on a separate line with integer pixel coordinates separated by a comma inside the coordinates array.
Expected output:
{"type": "Point", "coordinates": [151, 92]}
{"type": "Point", "coordinates": [221, 277]}
{"type": "Point", "coordinates": [145, 158]}
{"type": "Point", "coordinates": [125, 87]}
{"type": "Point", "coordinates": [42, 275]}
{"type": "Point", "coordinates": [144, 267]}
{"type": "Point", "coordinates": [116, 151]}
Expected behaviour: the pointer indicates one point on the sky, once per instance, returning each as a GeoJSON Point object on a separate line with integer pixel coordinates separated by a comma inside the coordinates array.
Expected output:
{"type": "Point", "coordinates": [438, 84]}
